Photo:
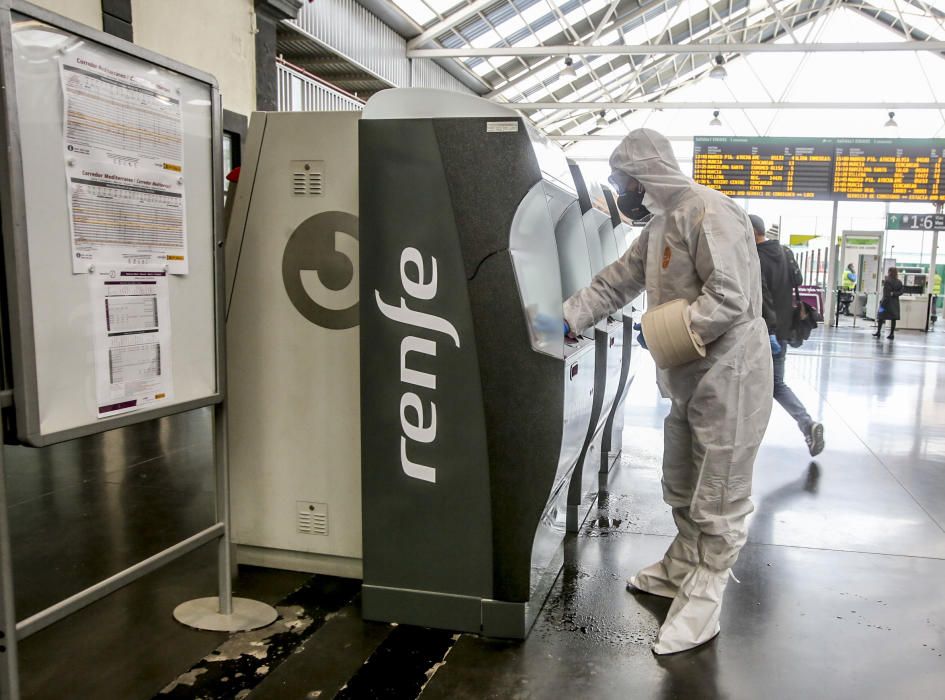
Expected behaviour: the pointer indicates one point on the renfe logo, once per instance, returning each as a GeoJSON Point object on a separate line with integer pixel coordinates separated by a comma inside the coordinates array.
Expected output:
{"type": "Point", "coordinates": [420, 430]}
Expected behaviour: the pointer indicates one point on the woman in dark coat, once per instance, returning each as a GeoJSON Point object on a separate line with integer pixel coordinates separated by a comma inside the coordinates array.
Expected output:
{"type": "Point", "coordinates": [889, 304]}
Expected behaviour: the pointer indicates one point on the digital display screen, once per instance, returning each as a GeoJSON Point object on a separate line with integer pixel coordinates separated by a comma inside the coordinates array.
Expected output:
{"type": "Point", "coordinates": [779, 168]}
{"type": "Point", "coordinates": [811, 168]}
{"type": "Point", "coordinates": [888, 170]}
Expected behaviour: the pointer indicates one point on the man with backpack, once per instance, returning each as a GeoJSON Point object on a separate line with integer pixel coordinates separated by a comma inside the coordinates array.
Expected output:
{"type": "Point", "coordinates": [780, 276]}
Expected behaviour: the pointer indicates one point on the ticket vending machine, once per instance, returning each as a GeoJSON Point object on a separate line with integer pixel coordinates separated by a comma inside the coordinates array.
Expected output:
{"type": "Point", "coordinates": [293, 401]}
{"type": "Point", "coordinates": [608, 337]}
{"type": "Point", "coordinates": [615, 338]}
{"type": "Point", "coordinates": [474, 408]}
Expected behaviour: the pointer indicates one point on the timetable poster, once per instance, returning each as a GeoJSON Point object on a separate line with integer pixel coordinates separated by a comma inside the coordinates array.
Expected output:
{"type": "Point", "coordinates": [123, 145]}
{"type": "Point", "coordinates": [132, 339]}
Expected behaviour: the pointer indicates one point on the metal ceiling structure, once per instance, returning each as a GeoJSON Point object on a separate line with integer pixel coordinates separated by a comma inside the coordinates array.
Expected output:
{"type": "Point", "coordinates": [630, 53]}
{"type": "Point", "coordinates": [299, 50]}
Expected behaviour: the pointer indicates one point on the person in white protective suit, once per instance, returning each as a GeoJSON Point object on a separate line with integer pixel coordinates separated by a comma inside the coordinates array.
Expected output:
{"type": "Point", "coordinates": [698, 247]}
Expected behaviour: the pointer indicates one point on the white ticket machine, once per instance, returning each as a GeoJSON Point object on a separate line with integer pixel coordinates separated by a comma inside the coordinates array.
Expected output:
{"type": "Point", "coordinates": [292, 345]}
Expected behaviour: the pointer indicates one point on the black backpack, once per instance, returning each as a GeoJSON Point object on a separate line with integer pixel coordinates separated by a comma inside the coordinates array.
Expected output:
{"type": "Point", "coordinates": [797, 277]}
{"type": "Point", "coordinates": [805, 317]}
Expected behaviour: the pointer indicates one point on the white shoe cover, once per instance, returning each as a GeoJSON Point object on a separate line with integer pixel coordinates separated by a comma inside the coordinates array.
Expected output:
{"type": "Point", "coordinates": [654, 580]}
{"type": "Point", "coordinates": [665, 576]}
{"type": "Point", "coordinates": [693, 618]}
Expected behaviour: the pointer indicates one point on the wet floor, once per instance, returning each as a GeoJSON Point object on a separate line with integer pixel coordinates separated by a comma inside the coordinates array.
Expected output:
{"type": "Point", "coordinates": [840, 593]}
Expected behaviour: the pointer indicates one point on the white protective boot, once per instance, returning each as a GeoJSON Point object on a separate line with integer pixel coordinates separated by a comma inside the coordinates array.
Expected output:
{"type": "Point", "coordinates": [693, 618]}
{"type": "Point", "coordinates": [665, 576]}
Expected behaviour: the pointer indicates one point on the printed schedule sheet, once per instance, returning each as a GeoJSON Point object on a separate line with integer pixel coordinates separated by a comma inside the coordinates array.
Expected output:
{"type": "Point", "coordinates": [132, 330]}
{"type": "Point", "coordinates": [124, 161]}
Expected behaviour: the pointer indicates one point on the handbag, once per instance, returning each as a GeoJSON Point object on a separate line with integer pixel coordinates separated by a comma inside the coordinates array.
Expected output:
{"type": "Point", "coordinates": [803, 321]}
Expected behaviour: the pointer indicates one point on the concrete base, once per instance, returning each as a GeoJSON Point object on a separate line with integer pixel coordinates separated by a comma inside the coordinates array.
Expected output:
{"type": "Point", "coordinates": [204, 614]}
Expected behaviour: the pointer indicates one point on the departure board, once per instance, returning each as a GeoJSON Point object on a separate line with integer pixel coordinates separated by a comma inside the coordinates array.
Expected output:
{"type": "Point", "coordinates": [888, 170]}
{"type": "Point", "coordinates": [821, 168]}
{"type": "Point", "coordinates": [778, 168]}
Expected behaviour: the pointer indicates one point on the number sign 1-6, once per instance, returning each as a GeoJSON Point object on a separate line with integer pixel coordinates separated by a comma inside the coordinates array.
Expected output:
{"type": "Point", "coordinates": [915, 222]}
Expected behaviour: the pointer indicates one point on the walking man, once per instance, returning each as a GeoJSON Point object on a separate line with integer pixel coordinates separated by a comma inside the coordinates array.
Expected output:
{"type": "Point", "coordinates": [779, 276]}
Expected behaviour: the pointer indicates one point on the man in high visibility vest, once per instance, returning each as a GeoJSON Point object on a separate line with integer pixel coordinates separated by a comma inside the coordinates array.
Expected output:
{"type": "Point", "coordinates": [849, 279]}
{"type": "Point", "coordinates": [847, 285]}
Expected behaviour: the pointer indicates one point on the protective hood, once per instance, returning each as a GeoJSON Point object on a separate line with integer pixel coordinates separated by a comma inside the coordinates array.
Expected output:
{"type": "Point", "coordinates": [647, 156]}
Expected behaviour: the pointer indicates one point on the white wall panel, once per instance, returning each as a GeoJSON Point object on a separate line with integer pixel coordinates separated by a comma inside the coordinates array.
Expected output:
{"type": "Point", "coordinates": [88, 12]}
{"type": "Point", "coordinates": [217, 36]}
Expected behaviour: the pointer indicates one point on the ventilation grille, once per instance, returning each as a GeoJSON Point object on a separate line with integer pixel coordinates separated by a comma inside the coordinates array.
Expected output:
{"type": "Point", "coordinates": [308, 178]}
{"type": "Point", "coordinates": [311, 518]}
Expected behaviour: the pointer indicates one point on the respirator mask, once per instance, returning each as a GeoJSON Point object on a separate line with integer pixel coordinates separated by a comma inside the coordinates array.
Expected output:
{"type": "Point", "coordinates": [630, 194]}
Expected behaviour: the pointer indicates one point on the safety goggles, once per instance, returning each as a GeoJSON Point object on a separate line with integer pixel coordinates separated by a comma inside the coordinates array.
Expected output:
{"type": "Point", "coordinates": [622, 182]}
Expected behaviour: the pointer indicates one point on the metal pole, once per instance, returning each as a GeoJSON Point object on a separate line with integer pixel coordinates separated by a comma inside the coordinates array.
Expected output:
{"type": "Point", "coordinates": [933, 261]}
{"type": "Point", "coordinates": [223, 612]}
{"type": "Point", "coordinates": [221, 464]}
{"type": "Point", "coordinates": [9, 664]}
{"type": "Point", "coordinates": [930, 281]}
{"type": "Point", "coordinates": [832, 263]}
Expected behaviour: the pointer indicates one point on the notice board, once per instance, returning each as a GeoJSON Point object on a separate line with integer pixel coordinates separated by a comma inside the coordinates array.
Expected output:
{"type": "Point", "coordinates": [111, 209]}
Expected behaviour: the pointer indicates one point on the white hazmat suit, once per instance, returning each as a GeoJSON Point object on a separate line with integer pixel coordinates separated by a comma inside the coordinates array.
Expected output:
{"type": "Point", "coordinates": [699, 246]}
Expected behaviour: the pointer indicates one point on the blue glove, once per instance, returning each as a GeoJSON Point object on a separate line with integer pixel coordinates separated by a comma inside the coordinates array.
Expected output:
{"type": "Point", "coordinates": [640, 339]}
{"type": "Point", "coordinates": [775, 345]}
{"type": "Point", "coordinates": [549, 325]}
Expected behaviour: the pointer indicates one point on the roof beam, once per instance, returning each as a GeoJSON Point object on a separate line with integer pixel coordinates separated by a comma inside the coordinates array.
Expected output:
{"type": "Point", "coordinates": [671, 65]}
{"type": "Point", "coordinates": [659, 105]}
{"type": "Point", "coordinates": [782, 22]}
{"type": "Point", "coordinates": [603, 27]}
{"type": "Point", "coordinates": [744, 23]}
{"type": "Point", "coordinates": [645, 49]}
{"type": "Point", "coordinates": [448, 22]}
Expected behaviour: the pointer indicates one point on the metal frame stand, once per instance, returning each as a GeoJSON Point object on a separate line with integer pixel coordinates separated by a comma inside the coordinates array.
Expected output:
{"type": "Point", "coordinates": [224, 613]}
{"type": "Point", "coordinates": [9, 669]}
{"type": "Point", "coordinates": [221, 613]}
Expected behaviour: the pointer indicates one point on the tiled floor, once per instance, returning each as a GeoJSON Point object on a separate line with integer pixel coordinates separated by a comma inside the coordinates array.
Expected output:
{"type": "Point", "coordinates": [841, 582]}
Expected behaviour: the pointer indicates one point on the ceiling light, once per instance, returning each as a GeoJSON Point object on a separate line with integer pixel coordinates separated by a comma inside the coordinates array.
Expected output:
{"type": "Point", "coordinates": [568, 70]}
{"type": "Point", "coordinates": [602, 120]}
{"type": "Point", "coordinates": [718, 70]}
{"type": "Point", "coordinates": [715, 119]}
{"type": "Point", "coordinates": [892, 120]}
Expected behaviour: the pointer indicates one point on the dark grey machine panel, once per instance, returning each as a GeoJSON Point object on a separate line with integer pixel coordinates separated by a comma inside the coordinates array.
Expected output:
{"type": "Point", "coordinates": [469, 404]}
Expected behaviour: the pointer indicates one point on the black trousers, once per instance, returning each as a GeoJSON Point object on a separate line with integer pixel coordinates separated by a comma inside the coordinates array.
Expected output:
{"type": "Point", "coordinates": [892, 326]}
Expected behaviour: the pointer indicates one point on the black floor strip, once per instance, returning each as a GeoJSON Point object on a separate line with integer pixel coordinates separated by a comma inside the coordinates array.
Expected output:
{"type": "Point", "coordinates": [246, 659]}
{"type": "Point", "coordinates": [401, 666]}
